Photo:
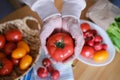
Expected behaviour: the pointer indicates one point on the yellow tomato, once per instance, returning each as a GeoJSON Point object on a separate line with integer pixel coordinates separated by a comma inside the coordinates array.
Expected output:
{"type": "Point", "coordinates": [100, 56]}
{"type": "Point", "coordinates": [25, 62]}
{"type": "Point", "coordinates": [18, 53]}
{"type": "Point", "coordinates": [23, 44]}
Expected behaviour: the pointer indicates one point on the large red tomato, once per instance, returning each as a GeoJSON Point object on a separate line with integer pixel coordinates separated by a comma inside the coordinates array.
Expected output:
{"type": "Point", "coordinates": [60, 46]}
{"type": "Point", "coordinates": [6, 67]}
{"type": "Point", "coordinates": [13, 35]}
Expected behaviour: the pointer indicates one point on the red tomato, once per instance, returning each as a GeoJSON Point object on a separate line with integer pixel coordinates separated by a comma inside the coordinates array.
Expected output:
{"type": "Point", "coordinates": [85, 27]}
{"type": "Point", "coordinates": [6, 67]}
{"type": "Point", "coordinates": [60, 46]}
{"type": "Point", "coordinates": [9, 47]}
{"type": "Point", "coordinates": [15, 61]}
{"type": "Point", "coordinates": [87, 52]}
{"type": "Point", "coordinates": [42, 72]}
{"type": "Point", "coordinates": [46, 62]}
{"type": "Point", "coordinates": [13, 35]}
{"type": "Point", "coordinates": [2, 41]}
{"type": "Point", "coordinates": [55, 75]}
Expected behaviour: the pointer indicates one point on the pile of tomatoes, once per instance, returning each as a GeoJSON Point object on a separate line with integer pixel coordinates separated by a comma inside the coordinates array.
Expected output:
{"type": "Point", "coordinates": [47, 68]}
{"type": "Point", "coordinates": [13, 52]}
{"type": "Point", "coordinates": [94, 47]}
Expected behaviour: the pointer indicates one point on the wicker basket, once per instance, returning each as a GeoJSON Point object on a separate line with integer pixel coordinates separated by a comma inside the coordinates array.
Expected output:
{"type": "Point", "coordinates": [31, 36]}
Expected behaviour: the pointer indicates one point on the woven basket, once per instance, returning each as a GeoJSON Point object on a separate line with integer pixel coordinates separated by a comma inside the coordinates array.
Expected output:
{"type": "Point", "coordinates": [31, 36]}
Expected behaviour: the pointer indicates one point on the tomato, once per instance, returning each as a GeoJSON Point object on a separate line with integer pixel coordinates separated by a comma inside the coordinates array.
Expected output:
{"type": "Point", "coordinates": [50, 68]}
{"type": "Point", "coordinates": [2, 55]}
{"type": "Point", "coordinates": [13, 35]}
{"type": "Point", "coordinates": [25, 62]}
{"type": "Point", "coordinates": [2, 41]}
{"type": "Point", "coordinates": [55, 75]}
{"type": "Point", "coordinates": [18, 53]}
{"type": "Point", "coordinates": [6, 67]}
{"type": "Point", "coordinates": [85, 27]}
{"type": "Point", "coordinates": [24, 45]}
{"type": "Point", "coordinates": [15, 61]}
{"type": "Point", "coordinates": [87, 52]}
{"type": "Point", "coordinates": [100, 56]}
{"type": "Point", "coordinates": [46, 62]}
{"type": "Point", "coordinates": [42, 72]}
{"type": "Point", "coordinates": [60, 46]}
{"type": "Point", "coordinates": [9, 47]}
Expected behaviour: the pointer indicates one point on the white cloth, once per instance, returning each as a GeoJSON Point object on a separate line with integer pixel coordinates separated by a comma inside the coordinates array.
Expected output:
{"type": "Point", "coordinates": [45, 8]}
{"type": "Point", "coordinates": [73, 8]}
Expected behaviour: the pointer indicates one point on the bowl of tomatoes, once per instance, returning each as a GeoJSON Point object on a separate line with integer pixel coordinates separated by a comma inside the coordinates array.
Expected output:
{"type": "Point", "coordinates": [19, 48]}
{"type": "Point", "coordinates": [98, 49]}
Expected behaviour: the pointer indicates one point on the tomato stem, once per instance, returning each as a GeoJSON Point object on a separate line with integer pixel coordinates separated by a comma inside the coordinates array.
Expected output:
{"type": "Point", "coordinates": [60, 44]}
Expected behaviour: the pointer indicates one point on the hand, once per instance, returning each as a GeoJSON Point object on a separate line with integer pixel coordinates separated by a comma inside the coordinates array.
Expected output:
{"type": "Point", "coordinates": [71, 25]}
{"type": "Point", "coordinates": [49, 26]}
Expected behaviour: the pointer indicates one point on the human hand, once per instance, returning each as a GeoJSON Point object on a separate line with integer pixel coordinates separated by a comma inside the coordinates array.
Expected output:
{"type": "Point", "coordinates": [48, 28]}
{"type": "Point", "coordinates": [71, 25]}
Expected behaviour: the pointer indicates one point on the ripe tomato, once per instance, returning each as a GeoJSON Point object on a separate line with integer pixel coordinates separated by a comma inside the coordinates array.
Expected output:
{"type": "Point", "coordinates": [85, 27]}
{"type": "Point", "coordinates": [24, 45]}
{"type": "Point", "coordinates": [13, 35]}
{"type": "Point", "coordinates": [2, 55]}
{"type": "Point", "coordinates": [6, 67]}
{"type": "Point", "coordinates": [25, 62]}
{"type": "Point", "coordinates": [87, 52]}
{"type": "Point", "coordinates": [100, 56]}
{"type": "Point", "coordinates": [2, 41]}
{"type": "Point", "coordinates": [18, 53]}
{"type": "Point", "coordinates": [46, 62]}
{"type": "Point", "coordinates": [55, 75]}
{"type": "Point", "coordinates": [15, 61]}
{"type": "Point", "coordinates": [9, 47]}
{"type": "Point", "coordinates": [60, 46]}
{"type": "Point", "coordinates": [42, 72]}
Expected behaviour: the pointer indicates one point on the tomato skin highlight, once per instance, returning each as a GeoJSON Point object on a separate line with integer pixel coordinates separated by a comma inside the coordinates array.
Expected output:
{"type": "Point", "coordinates": [5, 67]}
{"type": "Point", "coordinates": [87, 52]}
{"type": "Point", "coordinates": [60, 46]}
{"type": "Point", "coordinates": [2, 41]}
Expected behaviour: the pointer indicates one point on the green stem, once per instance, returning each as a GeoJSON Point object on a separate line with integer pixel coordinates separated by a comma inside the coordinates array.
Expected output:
{"type": "Point", "coordinates": [60, 44]}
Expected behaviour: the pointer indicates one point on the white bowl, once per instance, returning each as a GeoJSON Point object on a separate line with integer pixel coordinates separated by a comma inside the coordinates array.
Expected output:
{"type": "Point", "coordinates": [106, 39]}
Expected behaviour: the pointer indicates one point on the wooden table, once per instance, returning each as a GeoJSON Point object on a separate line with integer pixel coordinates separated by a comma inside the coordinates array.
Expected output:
{"type": "Point", "coordinates": [81, 71]}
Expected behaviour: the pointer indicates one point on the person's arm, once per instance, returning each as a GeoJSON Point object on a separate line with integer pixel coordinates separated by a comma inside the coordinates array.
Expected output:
{"type": "Point", "coordinates": [73, 8]}
{"type": "Point", "coordinates": [44, 8]}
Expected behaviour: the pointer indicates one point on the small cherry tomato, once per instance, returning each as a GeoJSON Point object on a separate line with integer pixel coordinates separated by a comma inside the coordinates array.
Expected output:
{"type": "Point", "coordinates": [25, 62]}
{"type": "Point", "coordinates": [85, 27]}
{"type": "Point", "coordinates": [18, 53]}
{"type": "Point", "coordinates": [87, 52]}
{"type": "Point", "coordinates": [24, 45]}
{"type": "Point", "coordinates": [2, 55]}
{"type": "Point", "coordinates": [98, 38]}
{"type": "Point", "coordinates": [6, 67]}
{"type": "Point", "coordinates": [46, 62]}
{"type": "Point", "coordinates": [55, 75]}
{"type": "Point", "coordinates": [42, 72]}
{"type": "Point", "coordinates": [2, 41]}
{"type": "Point", "coordinates": [101, 56]}
{"type": "Point", "coordinates": [15, 61]}
{"type": "Point", "coordinates": [97, 46]}
{"type": "Point", "coordinates": [13, 35]}
{"type": "Point", "coordinates": [9, 47]}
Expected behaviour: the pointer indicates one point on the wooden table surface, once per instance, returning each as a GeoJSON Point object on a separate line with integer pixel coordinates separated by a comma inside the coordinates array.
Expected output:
{"type": "Point", "coordinates": [81, 71]}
